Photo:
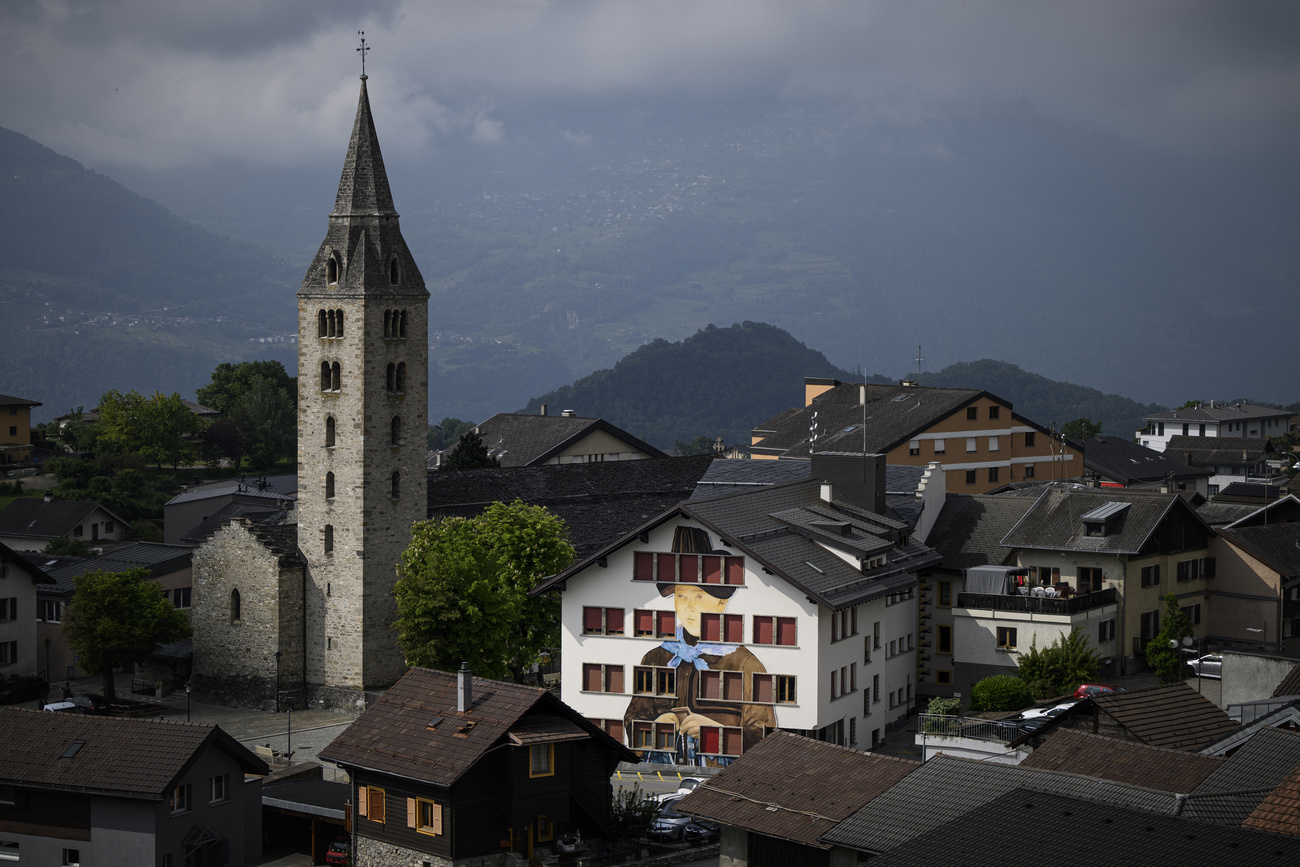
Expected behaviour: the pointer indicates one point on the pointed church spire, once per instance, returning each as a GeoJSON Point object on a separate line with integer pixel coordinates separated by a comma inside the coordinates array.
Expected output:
{"type": "Point", "coordinates": [363, 189]}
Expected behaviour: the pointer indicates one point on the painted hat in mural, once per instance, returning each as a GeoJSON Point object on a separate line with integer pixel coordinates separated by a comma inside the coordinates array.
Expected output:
{"type": "Point", "coordinates": [696, 540]}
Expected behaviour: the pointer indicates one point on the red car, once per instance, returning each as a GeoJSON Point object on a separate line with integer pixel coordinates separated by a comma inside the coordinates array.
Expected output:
{"type": "Point", "coordinates": [1087, 690]}
{"type": "Point", "coordinates": [338, 851]}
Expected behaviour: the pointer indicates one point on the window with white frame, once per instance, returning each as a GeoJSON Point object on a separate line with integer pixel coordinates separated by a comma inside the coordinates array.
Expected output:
{"type": "Point", "coordinates": [219, 789]}
{"type": "Point", "coordinates": [49, 610]}
{"type": "Point", "coordinates": [181, 801]}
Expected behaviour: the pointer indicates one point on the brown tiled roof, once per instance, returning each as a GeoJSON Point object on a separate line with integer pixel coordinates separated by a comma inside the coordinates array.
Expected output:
{"type": "Point", "coordinates": [132, 758]}
{"type": "Point", "coordinates": [795, 788]}
{"type": "Point", "coordinates": [1122, 761]}
{"type": "Point", "coordinates": [1280, 811]}
{"type": "Point", "coordinates": [1174, 716]}
{"type": "Point", "coordinates": [415, 731]}
{"type": "Point", "coordinates": [545, 730]}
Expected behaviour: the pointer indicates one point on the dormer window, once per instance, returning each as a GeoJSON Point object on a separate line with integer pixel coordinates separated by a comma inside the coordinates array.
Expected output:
{"type": "Point", "coordinates": [1104, 520]}
{"type": "Point", "coordinates": [332, 270]}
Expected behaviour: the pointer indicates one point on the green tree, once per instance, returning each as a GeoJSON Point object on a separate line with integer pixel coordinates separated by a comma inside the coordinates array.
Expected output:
{"type": "Point", "coordinates": [122, 420]}
{"type": "Point", "coordinates": [1164, 653]}
{"type": "Point", "coordinates": [66, 547]}
{"type": "Point", "coordinates": [447, 432]}
{"type": "Point", "coordinates": [462, 593]}
{"type": "Point", "coordinates": [700, 445]}
{"type": "Point", "coordinates": [631, 813]}
{"type": "Point", "coordinates": [1081, 429]}
{"type": "Point", "coordinates": [231, 382]}
{"type": "Point", "coordinates": [1065, 663]}
{"type": "Point", "coordinates": [118, 619]}
{"type": "Point", "coordinates": [79, 434]}
{"type": "Point", "coordinates": [258, 402]}
{"type": "Point", "coordinates": [167, 426]}
{"type": "Point", "coordinates": [469, 454]}
{"type": "Point", "coordinates": [1000, 692]}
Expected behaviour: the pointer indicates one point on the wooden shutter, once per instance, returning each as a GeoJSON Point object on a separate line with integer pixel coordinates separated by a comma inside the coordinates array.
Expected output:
{"type": "Point", "coordinates": [614, 621]}
{"type": "Point", "coordinates": [786, 632]}
{"type": "Point", "coordinates": [591, 619]}
{"type": "Point", "coordinates": [736, 570]}
{"type": "Point", "coordinates": [689, 567]}
{"type": "Point", "coordinates": [733, 685]}
{"type": "Point", "coordinates": [710, 684]}
{"type": "Point", "coordinates": [666, 568]}
{"type": "Point", "coordinates": [435, 815]}
{"type": "Point", "coordinates": [410, 812]}
{"type": "Point", "coordinates": [711, 627]}
{"type": "Point", "coordinates": [643, 568]}
{"type": "Point", "coordinates": [613, 678]}
{"type": "Point", "coordinates": [732, 742]}
{"type": "Point", "coordinates": [361, 802]}
{"type": "Point", "coordinates": [712, 570]}
{"type": "Point", "coordinates": [763, 688]}
{"type": "Point", "coordinates": [764, 632]}
{"type": "Point", "coordinates": [733, 628]}
{"type": "Point", "coordinates": [375, 800]}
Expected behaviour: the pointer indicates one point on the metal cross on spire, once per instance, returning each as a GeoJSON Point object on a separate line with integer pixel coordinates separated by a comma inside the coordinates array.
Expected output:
{"type": "Point", "coordinates": [362, 51]}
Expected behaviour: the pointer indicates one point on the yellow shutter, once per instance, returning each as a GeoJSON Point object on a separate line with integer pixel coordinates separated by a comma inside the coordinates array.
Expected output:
{"type": "Point", "coordinates": [361, 802]}
{"type": "Point", "coordinates": [410, 812]}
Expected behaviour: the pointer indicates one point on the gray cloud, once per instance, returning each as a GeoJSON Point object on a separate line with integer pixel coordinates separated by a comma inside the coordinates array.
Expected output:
{"type": "Point", "coordinates": [160, 82]}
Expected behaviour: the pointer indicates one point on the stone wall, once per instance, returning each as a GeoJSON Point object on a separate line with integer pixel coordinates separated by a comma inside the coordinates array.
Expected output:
{"type": "Point", "coordinates": [374, 853]}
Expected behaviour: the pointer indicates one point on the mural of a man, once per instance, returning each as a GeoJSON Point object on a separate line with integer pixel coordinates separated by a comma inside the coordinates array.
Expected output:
{"type": "Point", "coordinates": [691, 657]}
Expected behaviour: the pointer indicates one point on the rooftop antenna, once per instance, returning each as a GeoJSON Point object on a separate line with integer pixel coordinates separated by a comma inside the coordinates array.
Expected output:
{"type": "Point", "coordinates": [919, 359]}
{"type": "Point", "coordinates": [362, 51]}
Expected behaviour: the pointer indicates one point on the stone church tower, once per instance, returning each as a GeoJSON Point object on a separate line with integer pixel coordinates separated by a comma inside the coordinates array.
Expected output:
{"type": "Point", "coordinates": [299, 605]}
{"type": "Point", "coordinates": [363, 405]}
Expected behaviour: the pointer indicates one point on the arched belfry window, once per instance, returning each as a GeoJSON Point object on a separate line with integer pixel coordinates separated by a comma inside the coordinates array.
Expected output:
{"type": "Point", "coordinates": [336, 377]}
{"type": "Point", "coordinates": [325, 376]}
{"type": "Point", "coordinates": [402, 331]}
{"type": "Point", "coordinates": [401, 377]}
{"type": "Point", "coordinates": [339, 324]}
{"type": "Point", "coordinates": [332, 270]}
{"type": "Point", "coordinates": [394, 274]}
{"type": "Point", "coordinates": [329, 538]}
{"type": "Point", "coordinates": [397, 484]}
{"type": "Point", "coordinates": [397, 430]}
{"type": "Point", "coordinates": [388, 324]}
{"type": "Point", "coordinates": [391, 379]}
{"type": "Point", "coordinates": [329, 431]}
{"type": "Point", "coordinates": [329, 486]}
{"type": "Point", "coordinates": [323, 329]}
{"type": "Point", "coordinates": [235, 606]}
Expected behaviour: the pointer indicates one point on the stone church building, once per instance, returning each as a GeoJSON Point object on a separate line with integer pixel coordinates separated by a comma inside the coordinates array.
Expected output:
{"type": "Point", "coordinates": [304, 607]}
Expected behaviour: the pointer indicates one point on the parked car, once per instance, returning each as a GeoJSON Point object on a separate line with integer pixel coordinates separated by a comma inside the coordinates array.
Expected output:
{"type": "Point", "coordinates": [1089, 689]}
{"type": "Point", "coordinates": [91, 702]}
{"type": "Point", "coordinates": [702, 832]}
{"type": "Point", "coordinates": [28, 687]}
{"type": "Point", "coordinates": [1209, 665]}
{"type": "Point", "coordinates": [670, 826]}
{"type": "Point", "coordinates": [687, 786]}
{"type": "Point", "coordinates": [1057, 710]}
{"type": "Point", "coordinates": [62, 707]}
{"type": "Point", "coordinates": [339, 851]}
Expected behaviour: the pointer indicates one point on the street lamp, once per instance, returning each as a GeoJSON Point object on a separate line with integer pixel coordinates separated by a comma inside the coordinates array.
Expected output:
{"type": "Point", "coordinates": [277, 681]}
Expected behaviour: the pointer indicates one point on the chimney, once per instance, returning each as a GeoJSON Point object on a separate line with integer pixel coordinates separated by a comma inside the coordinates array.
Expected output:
{"type": "Point", "coordinates": [826, 491]}
{"type": "Point", "coordinates": [543, 409]}
{"type": "Point", "coordinates": [568, 413]}
{"type": "Point", "coordinates": [855, 477]}
{"type": "Point", "coordinates": [862, 395]}
{"type": "Point", "coordinates": [464, 688]}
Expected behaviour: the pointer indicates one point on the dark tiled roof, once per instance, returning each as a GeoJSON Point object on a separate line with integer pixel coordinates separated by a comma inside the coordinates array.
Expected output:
{"type": "Point", "coordinates": [280, 539]}
{"type": "Point", "coordinates": [10, 400]}
{"type": "Point", "coordinates": [258, 513]}
{"type": "Point", "coordinates": [270, 488]}
{"type": "Point", "coordinates": [1122, 761]}
{"type": "Point", "coordinates": [1027, 827]}
{"type": "Point", "coordinates": [893, 413]}
{"type": "Point", "coordinates": [970, 529]}
{"type": "Point", "coordinates": [1290, 684]}
{"type": "Point", "coordinates": [415, 731]}
{"type": "Point", "coordinates": [1280, 811]}
{"type": "Point", "coordinates": [1277, 545]}
{"type": "Point", "coordinates": [599, 502]}
{"type": "Point", "coordinates": [28, 516]}
{"type": "Point", "coordinates": [313, 796]}
{"type": "Point", "coordinates": [779, 788]}
{"type": "Point", "coordinates": [1219, 412]}
{"type": "Point", "coordinates": [159, 559]}
{"type": "Point", "coordinates": [1173, 715]}
{"type": "Point", "coordinates": [1053, 522]}
{"type": "Point", "coordinates": [1279, 511]}
{"type": "Point", "coordinates": [730, 475]}
{"type": "Point", "coordinates": [1121, 460]}
{"type": "Point", "coordinates": [1214, 451]}
{"type": "Point", "coordinates": [529, 439]}
{"type": "Point", "coordinates": [1249, 493]}
{"type": "Point", "coordinates": [134, 758]}
{"type": "Point", "coordinates": [945, 788]}
{"type": "Point", "coordinates": [1257, 765]}
{"type": "Point", "coordinates": [1217, 514]}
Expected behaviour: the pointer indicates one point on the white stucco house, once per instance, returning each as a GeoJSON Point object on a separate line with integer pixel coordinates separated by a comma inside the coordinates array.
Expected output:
{"type": "Point", "coordinates": [1213, 419]}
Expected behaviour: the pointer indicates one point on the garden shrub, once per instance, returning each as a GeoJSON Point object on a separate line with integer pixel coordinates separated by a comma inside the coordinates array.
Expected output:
{"type": "Point", "coordinates": [1000, 692]}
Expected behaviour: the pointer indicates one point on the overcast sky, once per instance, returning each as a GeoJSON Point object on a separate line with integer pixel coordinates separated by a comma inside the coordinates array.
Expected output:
{"type": "Point", "coordinates": [178, 82]}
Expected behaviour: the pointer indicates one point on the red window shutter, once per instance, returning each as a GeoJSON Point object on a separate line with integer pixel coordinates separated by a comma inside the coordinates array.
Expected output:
{"type": "Point", "coordinates": [711, 627]}
{"type": "Point", "coordinates": [763, 688]}
{"type": "Point", "coordinates": [645, 622]}
{"type": "Point", "coordinates": [667, 624]}
{"type": "Point", "coordinates": [733, 628]}
{"type": "Point", "coordinates": [591, 677]}
{"type": "Point", "coordinates": [710, 739]}
{"type": "Point", "coordinates": [613, 678]}
{"type": "Point", "coordinates": [591, 619]}
{"type": "Point", "coordinates": [763, 630]}
{"type": "Point", "coordinates": [614, 621]}
{"type": "Point", "coordinates": [732, 744]}
{"type": "Point", "coordinates": [786, 632]}
{"type": "Point", "coordinates": [710, 684]}
{"type": "Point", "coordinates": [689, 567]}
{"type": "Point", "coordinates": [712, 570]}
{"type": "Point", "coordinates": [736, 570]}
{"type": "Point", "coordinates": [733, 685]}
{"type": "Point", "coordinates": [667, 572]}
{"type": "Point", "coordinates": [643, 566]}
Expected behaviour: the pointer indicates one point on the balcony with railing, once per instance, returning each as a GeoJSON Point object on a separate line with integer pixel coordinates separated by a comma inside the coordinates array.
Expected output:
{"type": "Point", "coordinates": [1039, 604]}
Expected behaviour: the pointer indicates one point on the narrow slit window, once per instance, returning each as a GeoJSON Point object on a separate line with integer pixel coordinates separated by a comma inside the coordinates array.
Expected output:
{"type": "Point", "coordinates": [402, 329]}
{"type": "Point", "coordinates": [388, 324]}
{"type": "Point", "coordinates": [336, 377]}
{"type": "Point", "coordinates": [321, 329]}
{"type": "Point", "coordinates": [397, 430]}
{"type": "Point", "coordinates": [339, 332]}
{"type": "Point", "coordinates": [329, 431]}
{"type": "Point", "coordinates": [329, 538]}
{"type": "Point", "coordinates": [393, 272]}
{"type": "Point", "coordinates": [397, 485]}
{"type": "Point", "coordinates": [329, 486]}
{"type": "Point", "coordinates": [401, 377]}
{"type": "Point", "coordinates": [331, 270]}
{"type": "Point", "coordinates": [324, 376]}
{"type": "Point", "coordinates": [392, 378]}
{"type": "Point", "coordinates": [235, 606]}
